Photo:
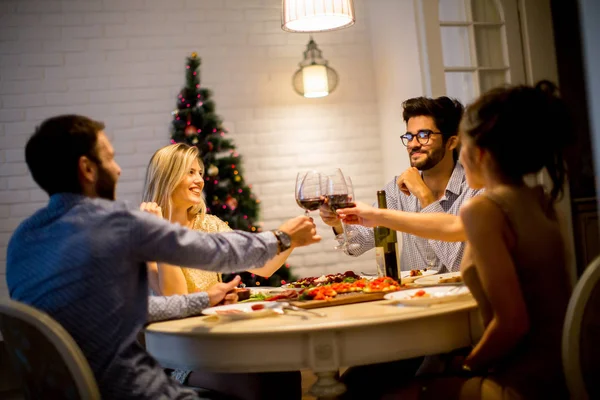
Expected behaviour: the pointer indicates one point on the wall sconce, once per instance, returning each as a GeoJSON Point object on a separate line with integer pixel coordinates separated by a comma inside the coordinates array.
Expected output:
{"type": "Point", "coordinates": [314, 78]}
{"type": "Point", "coordinates": [316, 15]}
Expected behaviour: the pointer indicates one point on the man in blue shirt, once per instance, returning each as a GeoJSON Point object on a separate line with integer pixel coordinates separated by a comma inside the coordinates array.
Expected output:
{"type": "Point", "coordinates": [82, 258]}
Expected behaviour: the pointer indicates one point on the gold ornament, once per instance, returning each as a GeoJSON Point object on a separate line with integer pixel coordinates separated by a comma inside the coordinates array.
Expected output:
{"type": "Point", "coordinates": [237, 178]}
{"type": "Point", "coordinates": [194, 54]}
{"type": "Point", "coordinates": [212, 170]}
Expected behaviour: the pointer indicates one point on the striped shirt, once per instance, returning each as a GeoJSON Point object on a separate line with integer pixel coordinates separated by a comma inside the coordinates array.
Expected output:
{"type": "Point", "coordinates": [82, 261]}
{"type": "Point", "coordinates": [417, 252]}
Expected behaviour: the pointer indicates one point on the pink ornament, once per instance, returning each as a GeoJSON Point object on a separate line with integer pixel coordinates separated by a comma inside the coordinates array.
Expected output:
{"type": "Point", "coordinates": [231, 202]}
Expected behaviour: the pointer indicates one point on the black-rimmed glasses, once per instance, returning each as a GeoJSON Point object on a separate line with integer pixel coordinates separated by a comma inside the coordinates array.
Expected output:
{"type": "Point", "coordinates": [422, 136]}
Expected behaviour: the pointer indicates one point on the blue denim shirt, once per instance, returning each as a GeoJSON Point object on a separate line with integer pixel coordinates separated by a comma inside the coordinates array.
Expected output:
{"type": "Point", "coordinates": [82, 261]}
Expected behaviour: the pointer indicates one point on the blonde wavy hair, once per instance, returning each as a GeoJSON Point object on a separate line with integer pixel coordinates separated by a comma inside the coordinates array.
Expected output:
{"type": "Point", "coordinates": [166, 169]}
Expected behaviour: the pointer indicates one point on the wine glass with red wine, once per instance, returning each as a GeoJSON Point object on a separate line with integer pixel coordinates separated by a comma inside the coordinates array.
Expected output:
{"type": "Point", "coordinates": [338, 196]}
{"type": "Point", "coordinates": [350, 231]}
{"type": "Point", "coordinates": [308, 191]}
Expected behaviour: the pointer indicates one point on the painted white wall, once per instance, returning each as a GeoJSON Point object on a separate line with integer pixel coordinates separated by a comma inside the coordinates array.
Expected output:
{"type": "Point", "coordinates": [122, 62]}
{"type": "Point", "coordinates": [398, 76]}
{"type": "Point", "coordinates": [589, 11]}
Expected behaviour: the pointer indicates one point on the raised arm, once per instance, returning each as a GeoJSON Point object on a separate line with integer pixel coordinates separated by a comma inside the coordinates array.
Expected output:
{"type": "Point", "coordinates": [436, 226]}
{"type": "Point", "coordinates": [153, 239]}
{"type": "Point", "coordinates": [270, 267]}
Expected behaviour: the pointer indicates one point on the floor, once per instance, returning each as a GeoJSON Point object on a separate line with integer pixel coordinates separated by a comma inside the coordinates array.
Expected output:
{"type": "Point", "coordinates": [308, 378]}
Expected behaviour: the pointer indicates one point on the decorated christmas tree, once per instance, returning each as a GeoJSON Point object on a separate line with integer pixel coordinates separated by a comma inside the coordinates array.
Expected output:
{"type": "Point", "coordinates": [227, 194]}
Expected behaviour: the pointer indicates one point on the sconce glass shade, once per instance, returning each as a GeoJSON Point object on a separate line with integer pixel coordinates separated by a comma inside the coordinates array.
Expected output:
{"type": "Point", "coordinates": [314, 78]}
{"type": "Point", "coordinates": [316, 15]}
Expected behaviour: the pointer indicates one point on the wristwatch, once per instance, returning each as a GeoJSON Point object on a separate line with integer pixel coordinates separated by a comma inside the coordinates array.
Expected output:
{"type": "Point", "coordinates": [284, 241]}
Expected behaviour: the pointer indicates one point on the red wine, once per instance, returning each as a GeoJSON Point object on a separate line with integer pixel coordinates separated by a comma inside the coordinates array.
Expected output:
{"type": "Point", "coordinates": [337, 201]}
{"type": "Point", "coordinates": [311, 204]}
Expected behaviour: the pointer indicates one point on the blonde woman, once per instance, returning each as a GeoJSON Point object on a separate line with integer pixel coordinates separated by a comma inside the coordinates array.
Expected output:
{"type": "Point", "coordinates": [174, 181]}
{"type": "Point", "coordinates": [173, 190]}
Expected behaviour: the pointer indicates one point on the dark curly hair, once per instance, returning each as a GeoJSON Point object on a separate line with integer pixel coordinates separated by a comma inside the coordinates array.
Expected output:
{"type": "Point", "coordinates": [445, 112]}
{"type": "Point", "coordinates": [524, 128]}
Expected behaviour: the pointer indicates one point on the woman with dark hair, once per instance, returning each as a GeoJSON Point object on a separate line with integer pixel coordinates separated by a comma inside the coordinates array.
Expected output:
{"type": "Point", "coordinates": [514, 262]}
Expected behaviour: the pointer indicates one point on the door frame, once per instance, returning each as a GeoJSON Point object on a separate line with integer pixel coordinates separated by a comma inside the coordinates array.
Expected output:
{"type": "Point", "coordinates": [538, 56]}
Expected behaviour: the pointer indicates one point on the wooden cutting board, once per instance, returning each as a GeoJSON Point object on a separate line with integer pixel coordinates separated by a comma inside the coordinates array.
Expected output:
{"type": "Point", "coordinates": [340, 299]}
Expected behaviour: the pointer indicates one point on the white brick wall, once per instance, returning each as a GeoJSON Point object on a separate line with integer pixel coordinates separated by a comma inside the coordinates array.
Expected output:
{"type": "Point", "coordinates": [122, 62]}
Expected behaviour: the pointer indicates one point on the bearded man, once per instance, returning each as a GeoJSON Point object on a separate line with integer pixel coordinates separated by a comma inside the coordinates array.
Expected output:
{"type": "Point", "coordinates": [435, 183]}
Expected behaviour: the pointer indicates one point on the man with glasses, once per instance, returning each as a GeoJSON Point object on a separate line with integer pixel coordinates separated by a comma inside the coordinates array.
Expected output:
{"type": "Point", "coordinates": [435, 183]}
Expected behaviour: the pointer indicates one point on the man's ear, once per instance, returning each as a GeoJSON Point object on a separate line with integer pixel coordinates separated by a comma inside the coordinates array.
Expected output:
{"type": "Point", "coordinates": [452, 142]}
{"type": "Point", "coordinates": [87, 170]}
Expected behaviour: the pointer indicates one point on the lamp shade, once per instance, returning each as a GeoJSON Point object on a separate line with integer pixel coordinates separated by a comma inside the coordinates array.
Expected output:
{"type": "Point", "coordinates": [316, 15]}
{"type": "Point", "coordinates": [314, 78]}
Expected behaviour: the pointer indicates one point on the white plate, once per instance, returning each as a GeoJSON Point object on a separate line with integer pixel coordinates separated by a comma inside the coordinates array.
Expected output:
{"type": "Point", "coordinates": [440, 294]}
{"type": "Point", "coordinates": [406, 278]}
{"type": "Point", "coordinates": [271, 308]}
{"type": "Point", "coordinates": [435, 279]}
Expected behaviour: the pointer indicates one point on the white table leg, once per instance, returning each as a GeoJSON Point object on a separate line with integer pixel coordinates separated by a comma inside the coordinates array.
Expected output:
{"type": "Point", "coordinates": [327, 386]}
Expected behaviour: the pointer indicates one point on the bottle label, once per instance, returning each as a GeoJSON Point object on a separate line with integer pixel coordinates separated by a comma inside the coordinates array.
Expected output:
{"type": "Point", "coordinates": [380, 261]}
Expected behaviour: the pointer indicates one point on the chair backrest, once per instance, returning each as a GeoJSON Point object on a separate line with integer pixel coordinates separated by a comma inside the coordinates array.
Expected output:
{"type": "Point", "coordinates": [581, 332]}
{"type": "Point", "coordinates": [49, 362]}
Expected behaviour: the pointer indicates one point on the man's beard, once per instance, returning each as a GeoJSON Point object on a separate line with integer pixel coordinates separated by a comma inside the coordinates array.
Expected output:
{"type": "Point", "coordinates": [105, 185]}
{"type": "Point", "coordinates": [432, 158]}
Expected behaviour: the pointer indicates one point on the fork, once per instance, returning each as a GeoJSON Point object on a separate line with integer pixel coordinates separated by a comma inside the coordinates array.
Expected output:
{"type": "Point", "coordinates": [294, 308]}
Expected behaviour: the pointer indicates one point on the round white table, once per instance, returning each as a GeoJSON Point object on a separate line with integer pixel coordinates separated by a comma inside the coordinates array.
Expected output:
{"type": "Point", "coordinates": [349, 335]}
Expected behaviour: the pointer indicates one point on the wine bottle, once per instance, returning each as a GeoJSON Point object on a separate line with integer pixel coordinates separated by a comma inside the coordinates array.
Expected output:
{"type": "Point", "coordinates": [386, 245]}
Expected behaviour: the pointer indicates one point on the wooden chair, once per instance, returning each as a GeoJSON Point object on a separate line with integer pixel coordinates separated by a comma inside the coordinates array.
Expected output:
{"type": "Point", "coordinates": [581, 333]}
{"type": "Point", "coordinates": [44, 355]}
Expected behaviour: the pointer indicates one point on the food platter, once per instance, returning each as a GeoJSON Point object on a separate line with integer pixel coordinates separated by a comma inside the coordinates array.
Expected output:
{"type": "Point", "coordinates": [328, 290]}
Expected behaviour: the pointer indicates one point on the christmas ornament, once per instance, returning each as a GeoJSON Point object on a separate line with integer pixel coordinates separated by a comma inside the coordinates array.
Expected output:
{"type": "Point", "coordinates": [210, 146]}
{"type": "Point", "coordinates": [212, 170]}
{"type": "Point", "coordinates": [231, 202]}
{"type": "Point", "coordinates": [191, 130]}
{"type": "Point", "coordinates": [237, 178]}
{"type": "Point", "coordinates": [194, 140]}
{"type": "Point", "coordinates": [194, 54]}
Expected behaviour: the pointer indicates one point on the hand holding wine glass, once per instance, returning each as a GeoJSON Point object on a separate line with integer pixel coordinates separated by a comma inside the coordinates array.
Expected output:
{"type": "Point", "coordinates": [362, 214]}
{"type": "Point", "coordinates": [339, 195]}
{"type": "Point", "coordinates": [308, 191]}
